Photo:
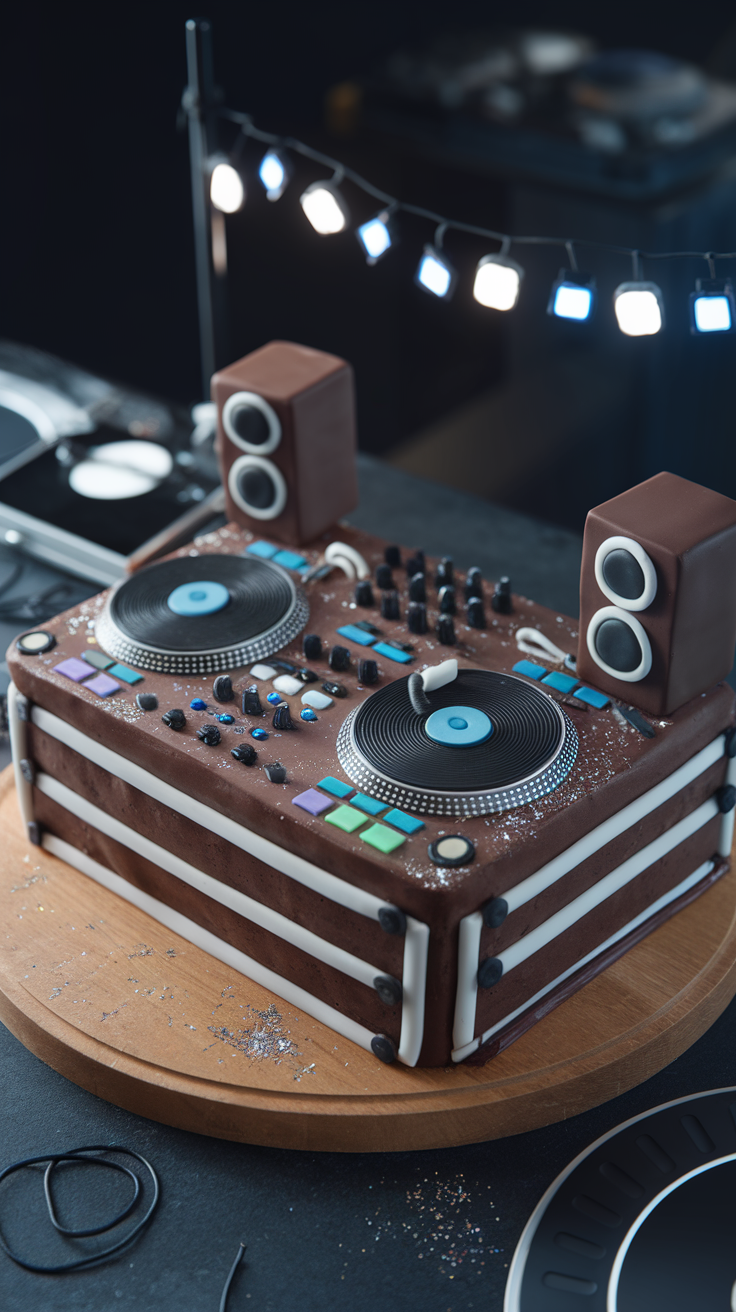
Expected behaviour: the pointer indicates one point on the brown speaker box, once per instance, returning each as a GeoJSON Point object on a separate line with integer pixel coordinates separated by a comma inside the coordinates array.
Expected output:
{"type": "Point", "coordinates": [286, 440]}
{"type": "Point", "coordinates": [658, 593]}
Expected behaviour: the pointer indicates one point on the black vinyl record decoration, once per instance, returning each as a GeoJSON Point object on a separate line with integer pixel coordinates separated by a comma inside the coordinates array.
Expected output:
{"type": "Point", "coordinates": [388, 750]}
{"type": "Point", "coordinates": [202, 614]}
{"type": "Point", "coordinates": [643, 1220]}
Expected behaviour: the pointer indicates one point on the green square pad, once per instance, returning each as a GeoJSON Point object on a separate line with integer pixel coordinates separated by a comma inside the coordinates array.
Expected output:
{"type": "Point", "coordinates": [386, 840]}
{"type": "Point", "coordinates": [345, 818]}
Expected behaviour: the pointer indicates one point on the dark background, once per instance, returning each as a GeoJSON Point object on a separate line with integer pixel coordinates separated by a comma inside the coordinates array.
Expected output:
{"type": "Point", "coordinates": [98, 252]}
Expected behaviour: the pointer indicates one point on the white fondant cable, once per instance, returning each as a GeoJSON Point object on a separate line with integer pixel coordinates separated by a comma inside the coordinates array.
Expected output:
{"type": "Point", "coordinates": [347, 559]}
{"type": "Point", "coordinates": [536, 643]}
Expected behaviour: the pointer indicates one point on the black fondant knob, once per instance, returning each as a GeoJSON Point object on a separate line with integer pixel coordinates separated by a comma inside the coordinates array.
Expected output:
{"type": "Point", "coordinates": [495, 912]}
{"type": "Point", "coordinates": [475, 613]}
{"type": "Point", "coordinates": [501, 599]}
{"type": "Point", "coordinates": [367, 672]}
{"type": "Point", "coordinates": [392, 556]}
{"type": "Point", "coordinates": [222, 688]}
{"type": "Point", "coordinates": [364, 593]}
{"type": "Point", "coordinates": [446, 631]}
{"type": "Point", "coordinates": [34, 833]}
{"type": "Point", "coordinates": [473, 583]}
{"type": "Point", "coordinates": [726, 798]}
{"type": "Point", "coordinates": [730, 745]}
{"type": "Point", "coordinates": [147, 701]}
{"type": "Point", "coordinates": [416, 617]}
{"type": "Point", "coordinates": [388, 989]}
{"type": "Point", "coordinates": [174, 719]}
{"type": "Point", "coordinates": [339, 659]}
{"type": "Point", "coordinates": [306, 675]}
{"type": "Point", "coordinates": [334, 689]}
{"type": "Point", "coordinates": [251, 702]}
{"type": "Point", "coordinates": [276, 772]}
{"type": "Point", "coordinates": [312, 646]}
{"type": "Point", "coordinates": [384, 577]}
{"type": "Point", "coordinates": [415, 564]}
{"type": "Point", "coordinates": [417, 588]}
{"type": "Point", "coordinates": [244, 753]}
{"type": "Point", "coordinates": [447, 600]}
{"type": "Point", "coordinates": [417, 696]}
{"type": "Point", "coordinates": [384, 1048]}
{"type": "Point", "coordinates": [282, 717]}
{"type": "Point", "coordinates": [392, 920]}
{"type": "Point", "coordinates": [27, 770]}
{"type": "Point", "coordinates": [390, 605]}
{"type": "Point", "coordinates": [209, 734]}
{"type": "Point", "coordinates": [489, 972]}
{"type": "Point", "coordinates": [445, 573]}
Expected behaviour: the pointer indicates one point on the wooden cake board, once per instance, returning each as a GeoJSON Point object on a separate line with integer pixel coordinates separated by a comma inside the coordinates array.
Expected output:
{"type": "Point", "coordinates": [128, 1010]}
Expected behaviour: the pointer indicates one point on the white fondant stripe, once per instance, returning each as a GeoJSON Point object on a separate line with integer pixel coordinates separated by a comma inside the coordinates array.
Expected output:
{"type": "Point", "coordinates": [295, 867]}
{"type": "Point", "coordinates": [460, 1053]}
{"type": "Point", "coordinates": [19, 748]}
{"type": "Point", "coordinates": [615, 825]}
{"type": "Point", "coordinates": [467, 978]}
{"type": "Point", "coordinates": [245, 906]}
{"type": "Point", "coordinates": [414, 985]}
{"type": "Point", "coordinates": [216, 947]}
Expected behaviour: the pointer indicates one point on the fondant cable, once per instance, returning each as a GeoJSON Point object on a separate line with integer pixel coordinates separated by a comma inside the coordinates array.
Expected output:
{"type": "Point", "coordinates": [536, 643]}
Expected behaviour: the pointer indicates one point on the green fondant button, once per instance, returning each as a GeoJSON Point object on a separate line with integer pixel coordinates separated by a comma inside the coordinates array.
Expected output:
{"type": "Point", "coordinates": [386, 840]}
{"type": "Point", "coordinates": [343, 817]}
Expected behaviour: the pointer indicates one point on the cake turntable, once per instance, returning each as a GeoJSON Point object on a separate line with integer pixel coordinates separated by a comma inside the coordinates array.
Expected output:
{"type": "Point", "coordinates": [244, 607]}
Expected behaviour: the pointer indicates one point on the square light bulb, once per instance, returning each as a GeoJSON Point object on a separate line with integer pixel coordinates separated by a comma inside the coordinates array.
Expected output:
{"type": "Point", "coordinates": [375, 237]}
{"type": "Point", "coordinates": [712, 308]}
{"type": "Point", "coordinates": [497, 282]}
{"type": "Point", "coordinates": [639, 308]}
{"type": "Point", "coordinates": [435, 274]}
{"type": "Point", "coordinates": [572, 296]}
{"type": "Point", "coordinates": [325, 208]}
{"type": "Point", "coordinates": [274, 172]}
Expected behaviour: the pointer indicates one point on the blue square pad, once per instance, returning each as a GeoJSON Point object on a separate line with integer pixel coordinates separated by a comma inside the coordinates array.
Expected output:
{"type": "Point", "coordinates": [392, 653]}
{"type": "Point", "coordinates": [288, 560]}
{"type": "Point", "coordinates": [358, 636]}
{"type": "Point", "coordinates": [122, 672]}
{"type": "Point", "coordinates": [400, 820]}
{"type": "Point", "coordinates": [562, 682]}
{"type": "Point", "coordinates": [531, 671]}
{"type": "Point", "coordinates": [264, 549]}
{"type": "Point", "coordinates": [334, 786]}
{"type": "Point", "coordinates": [593, 698]}
{"type": "Point", "coordinates": [367, 804]}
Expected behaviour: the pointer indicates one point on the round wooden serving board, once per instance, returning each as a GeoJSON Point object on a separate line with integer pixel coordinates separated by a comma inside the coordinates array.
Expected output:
{"type": "Point", "coordinates": [128, 1010]}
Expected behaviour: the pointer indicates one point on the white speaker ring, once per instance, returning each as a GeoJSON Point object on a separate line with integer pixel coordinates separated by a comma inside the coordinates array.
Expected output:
{"type": "Point", "coordinates": [616, 613]}
{"type": "Point", "coordinates": [240, 466]}
{"type": "Point", "coordinates": [254, 402]}
{"type": "Point", "coordinates": [642, 559]}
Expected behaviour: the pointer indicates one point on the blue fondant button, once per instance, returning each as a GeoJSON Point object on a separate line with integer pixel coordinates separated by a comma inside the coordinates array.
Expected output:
{"type": "Point", "coordinates": [458, 726]}
{"type": "Point", "coordinates": [198, 598]}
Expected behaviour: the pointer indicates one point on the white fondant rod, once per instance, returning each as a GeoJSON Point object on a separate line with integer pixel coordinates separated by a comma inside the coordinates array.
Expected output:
{"type": "Point", "coordinates": [216, 947]}
{"type": "Point", "coordinates": [615, 825]}
{"type": "Point", "coordinates": [240, 903]}
{"type": "Point", "coordinates": [287, 863]}
{"type": "Point", "coordinates": [19, 748]}
{"type": "Point", "coordinates": [414, 985]}
{"type": "Point", "coordinates": [459, 1054]}
{"type": "Point", "coordinates": [467, 978]}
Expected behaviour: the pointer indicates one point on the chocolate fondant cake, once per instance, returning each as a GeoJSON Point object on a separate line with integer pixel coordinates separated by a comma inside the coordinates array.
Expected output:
{"type": "Point", "coordinates": [386, 792]}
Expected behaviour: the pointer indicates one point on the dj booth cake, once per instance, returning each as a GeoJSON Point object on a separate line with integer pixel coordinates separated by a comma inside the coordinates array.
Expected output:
{"type": "Point", "coordinates": [418, 808]}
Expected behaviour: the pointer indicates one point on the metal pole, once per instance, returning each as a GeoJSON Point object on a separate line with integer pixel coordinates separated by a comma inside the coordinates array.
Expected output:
{"type": "Point", "coordinates": [210, 252]}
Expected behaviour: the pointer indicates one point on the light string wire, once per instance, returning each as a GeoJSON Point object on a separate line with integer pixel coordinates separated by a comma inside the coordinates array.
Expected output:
{"type": "Point", "coordinates": [394, 205]}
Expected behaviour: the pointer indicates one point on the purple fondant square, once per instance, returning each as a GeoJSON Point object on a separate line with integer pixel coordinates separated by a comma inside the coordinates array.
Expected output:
{"type": "Point", "coordinates": [74, 669]}
{"type": "Point", "coordinates": [312, 801]}
{"type": "Point", "coordinates": [103, 685]}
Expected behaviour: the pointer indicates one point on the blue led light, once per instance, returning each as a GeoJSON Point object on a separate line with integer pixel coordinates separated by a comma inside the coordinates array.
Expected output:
{"type": "Point", "coordinates": [435, 274]}
{"type": "Point", "coordinates": [572, 302]}
{"type": "Point", "coordinates": [274, 173]}
{"type": "Point", "coordinates": [712, 314]}
{"type": "Point", "coordinates": [375, 237]}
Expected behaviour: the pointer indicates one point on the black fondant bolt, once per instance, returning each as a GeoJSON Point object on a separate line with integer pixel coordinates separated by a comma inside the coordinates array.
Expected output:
{"type": "Point", "coordinates": [473, 583]}
{"type": "Point", "coordinates": [251, 702]}
{"type": "Point", "coordinates": [731, 743]}
{"type": "Point", "coordinates": [416, 617]}
{"type": "Point", "coordinates": [390, 605]}
{"type": "Point", "coordinates": [222, 688]}
{"type": "Point", "coordinates": [245, 754]}
{"type": "Point", "coordinates": [446, 631]}
{"type": "Point", "coordinates": [209, 734]}
{"type": "Point", "coordinates": [147, 701]}
{"type": "Point", "coordinates": [27, 770]}
{"type": "Point", "coordinates": [276, 773]}
{"type": "Point", "coordinates": [282, 717]}
{"type": "Point", "coordinates": [392, 920]}
{"type": "Point", "coordinates": [495, 912]}
{"type": "Point", "coordinates": [339, 659]}
{"type": "Point", "coordinates": [306, 675]}
{"type": "Point", "coordinates": [384, 1048]}
{"type": "Point", "coordinates": [367, 672]}
{"type": "Point", "coordinates": [312, 646]}
{"type": "Point", "coordinates": [475, 613]}
{"type": "Point", "coordinates": [34, 833]}
{"type": "Point", "coordinates": [490, 972]}
{"type": "Point", "coordinates": [501, 599]}
{"type": "Point", "coordinates": [392, 556]}
{"type": "Point", "coordinates": [447, 600]}
{"type": "Point", "coordinates": [174, 719]}
{"type": "Point", "coordinates": [384, 577]}
{"type": "Point", "coordinates": [364, 593]}
{"type": "Point", "coordinates": [726, 798]}
{"type": "Point", "coordinates": [417, 588]}
{"type": "Point", "coordinates": [388, 989]}
{"type": "Point", "coordinates": [334, 689]}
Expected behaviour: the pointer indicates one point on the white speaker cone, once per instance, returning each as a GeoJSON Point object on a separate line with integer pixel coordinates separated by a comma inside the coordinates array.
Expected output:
{"type": "Point", "coordinates": [260, 471]}
{"type": "Point", "coordinates": [615, 548]}
{"type": "Point", "coordinates": [251, 406]}
{"type": "Point", "coordinates": [614, 615]}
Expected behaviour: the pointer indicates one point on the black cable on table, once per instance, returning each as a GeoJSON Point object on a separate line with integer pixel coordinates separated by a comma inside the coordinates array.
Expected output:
{"type": "Point", "coordinates": [229, 1281]}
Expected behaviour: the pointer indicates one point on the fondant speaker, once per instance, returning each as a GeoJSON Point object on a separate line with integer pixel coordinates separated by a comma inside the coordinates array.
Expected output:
{"type": "Point", "coordinates": [658, 593]}
{"type": "Point", "coordinates": [287, 440]}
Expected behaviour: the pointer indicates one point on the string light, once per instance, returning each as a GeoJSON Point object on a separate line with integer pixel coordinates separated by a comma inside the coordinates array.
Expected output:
{"type": "Point", "coordinates": [638, 304]}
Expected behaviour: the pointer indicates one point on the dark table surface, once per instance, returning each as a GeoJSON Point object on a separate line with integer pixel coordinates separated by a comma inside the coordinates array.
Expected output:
{"type": "Point", "coordinates": [377, 1233]}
